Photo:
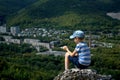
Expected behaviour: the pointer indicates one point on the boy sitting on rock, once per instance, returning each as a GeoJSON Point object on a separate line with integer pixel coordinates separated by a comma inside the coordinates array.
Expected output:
{"type": "Point", "coordinates": [81, 54]}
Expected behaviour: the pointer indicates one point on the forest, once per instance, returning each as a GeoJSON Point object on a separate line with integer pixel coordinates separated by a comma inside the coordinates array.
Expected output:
{"type": "Point", "coordinates": [27, 65]}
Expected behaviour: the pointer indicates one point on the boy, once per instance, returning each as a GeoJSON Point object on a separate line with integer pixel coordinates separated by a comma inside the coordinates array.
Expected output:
{"type": "Point", "coordinates": [81, 54]}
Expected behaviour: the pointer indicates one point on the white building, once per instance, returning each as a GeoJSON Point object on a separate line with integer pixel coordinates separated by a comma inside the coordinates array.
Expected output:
{"type": "Point", "coordinates": [15, 30]}
{"type": "Point", "coordinates": [16, 41]}
{"type": "Point", "coordinates": [3, 29]}
{"type": "Point", "coordinates": [7, 38]}
{"type": "Point", "coordinates": [31, 41]}
{"type": "Point", "coordinates": [10, 40]}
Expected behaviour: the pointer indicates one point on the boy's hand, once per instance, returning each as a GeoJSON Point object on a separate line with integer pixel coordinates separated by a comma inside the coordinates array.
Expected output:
{"type": "Point", "coordinates": [65, 48]}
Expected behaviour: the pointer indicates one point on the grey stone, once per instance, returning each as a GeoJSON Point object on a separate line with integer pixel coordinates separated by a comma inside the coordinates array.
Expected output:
{"type": "Point", "coordinates": [84, 74]}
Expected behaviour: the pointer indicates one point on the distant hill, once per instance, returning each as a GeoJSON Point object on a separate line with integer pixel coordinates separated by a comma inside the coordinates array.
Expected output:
{"type": "Point", "coordinates": [72, 14]}
{"type": "Point", "coordinates": [8, 7]}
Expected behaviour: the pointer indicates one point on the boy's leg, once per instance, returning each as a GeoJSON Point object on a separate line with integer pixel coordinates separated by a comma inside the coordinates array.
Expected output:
{"type": "Point", "coordinates": [66, 61]}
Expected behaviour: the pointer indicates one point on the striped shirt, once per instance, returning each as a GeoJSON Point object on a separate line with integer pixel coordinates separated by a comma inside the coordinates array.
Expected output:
{"type": "Point", "coordinates": [84, 53]}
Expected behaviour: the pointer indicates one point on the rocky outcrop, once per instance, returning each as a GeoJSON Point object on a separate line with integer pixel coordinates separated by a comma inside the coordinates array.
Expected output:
{"type": "Point", "coordinates": [84, 74]}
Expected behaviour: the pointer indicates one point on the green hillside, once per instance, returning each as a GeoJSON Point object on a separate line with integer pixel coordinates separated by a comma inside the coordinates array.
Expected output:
{"type": "Point", "coordinates": [8, 7]}
{"type": "Point", "coordinates": [72, 14]}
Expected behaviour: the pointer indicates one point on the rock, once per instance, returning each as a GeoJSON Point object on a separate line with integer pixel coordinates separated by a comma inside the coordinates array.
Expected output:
{"type": "Point", "coordinates": [84, 74]}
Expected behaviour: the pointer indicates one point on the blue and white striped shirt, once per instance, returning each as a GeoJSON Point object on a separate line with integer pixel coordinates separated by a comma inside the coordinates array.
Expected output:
{"type": "Point", "coordinates": [83, 53]}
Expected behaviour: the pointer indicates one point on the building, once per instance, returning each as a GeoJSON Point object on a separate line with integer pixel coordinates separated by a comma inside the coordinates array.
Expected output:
{"type": "Point", "coordinates": [3, 29]}
{"type": "Point", "coordinates": [31, 41]}
{"type": "Point", "coordinates": [15, 30]}
{"type": "Point", "coordinates": [7, 38]}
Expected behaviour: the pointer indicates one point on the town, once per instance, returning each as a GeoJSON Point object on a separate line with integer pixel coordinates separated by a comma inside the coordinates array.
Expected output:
{"type": "Point", "coordinates": [32, 36]}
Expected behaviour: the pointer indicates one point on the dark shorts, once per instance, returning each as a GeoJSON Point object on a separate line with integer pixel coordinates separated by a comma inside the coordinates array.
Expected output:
{"type": "Point", "coordinates": [74, 60]}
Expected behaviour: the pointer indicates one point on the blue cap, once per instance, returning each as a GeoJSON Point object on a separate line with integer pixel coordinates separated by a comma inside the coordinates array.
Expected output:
{"type": "Point", "coordinates": [77, 33]}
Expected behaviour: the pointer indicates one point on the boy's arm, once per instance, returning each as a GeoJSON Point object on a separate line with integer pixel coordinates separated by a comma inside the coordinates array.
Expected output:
{"type": "Point", "coordinates": [71, 53]}
{"type": "Point", "coordinates": [74, 53]}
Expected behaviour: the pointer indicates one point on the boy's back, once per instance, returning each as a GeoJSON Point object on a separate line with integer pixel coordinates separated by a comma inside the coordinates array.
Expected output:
{"type": "Point", "coordinates": [83, 53]}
